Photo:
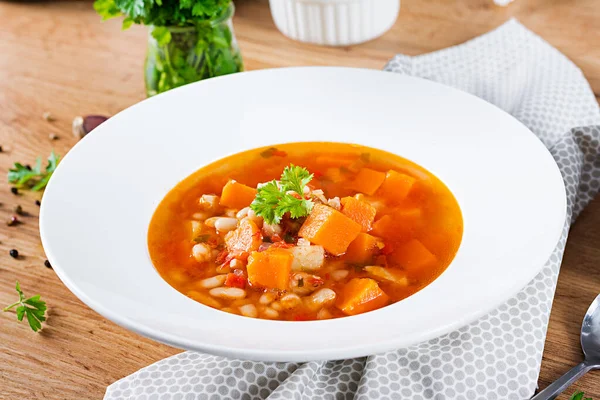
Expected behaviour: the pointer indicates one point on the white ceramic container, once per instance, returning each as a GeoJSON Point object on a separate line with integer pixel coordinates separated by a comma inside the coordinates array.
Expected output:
{"type": "Point", "coordinates": [334, 22]}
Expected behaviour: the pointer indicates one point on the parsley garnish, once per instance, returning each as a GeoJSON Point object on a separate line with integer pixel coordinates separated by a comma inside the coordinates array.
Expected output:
{"type": "Point", "coordinates": [579, 396]}
{"type": "Point", "coordinates": [186, 56]}
{"type": "Point", "coordinates": [33, 178]}
{"type": "Point", "coordinates": [33, 308]}
{"type": "Point", "coordinates": [274, 199]}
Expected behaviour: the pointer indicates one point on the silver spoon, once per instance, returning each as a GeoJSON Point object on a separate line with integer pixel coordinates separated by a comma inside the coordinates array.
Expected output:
{"type": "Point", "coordinates": [590, 343]}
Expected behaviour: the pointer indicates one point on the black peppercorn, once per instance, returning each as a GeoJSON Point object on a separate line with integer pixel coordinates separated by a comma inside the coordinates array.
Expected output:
{"type": "Point", "coordinates": [28, 167]}
{"type": "Point", "coordinates": [19, 210]}
{"type": "Point", "coordinates": [14, 190]}
{"type": "Point", "coordinates": [1, 149]}
{"type": "Point", "coordinates": [12, 221]}
{"type": "Point", "coordinates": [47, 264]}
{"type": "Point", "coordinates": [38, 203]}
{"type": "Point", "coordinates": [14, 253]}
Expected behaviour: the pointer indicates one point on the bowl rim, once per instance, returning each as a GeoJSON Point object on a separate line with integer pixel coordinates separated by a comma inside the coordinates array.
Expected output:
{"type": "Point", "coordinates": [280, 355]}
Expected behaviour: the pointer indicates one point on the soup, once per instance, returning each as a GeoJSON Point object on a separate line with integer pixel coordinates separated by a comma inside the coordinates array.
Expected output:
{"type": "Point", "coordinates": [305, 231]}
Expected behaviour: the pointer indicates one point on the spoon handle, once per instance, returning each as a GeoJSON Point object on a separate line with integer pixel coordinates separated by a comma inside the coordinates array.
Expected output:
{"type": "Point", "coordinates": [558, 386]}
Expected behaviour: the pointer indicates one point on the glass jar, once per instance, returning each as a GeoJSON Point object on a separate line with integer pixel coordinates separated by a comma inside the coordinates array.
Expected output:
{"type": "Point", "coordinates": [180, 55]}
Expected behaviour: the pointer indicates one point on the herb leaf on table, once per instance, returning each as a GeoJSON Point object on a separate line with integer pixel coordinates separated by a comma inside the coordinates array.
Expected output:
{"type": "Point", "coordinates": [33, 308]}
{"type": "Point", "coordinates": [33, 178]}
{"type": "Point", "coordinates": [579, 396]}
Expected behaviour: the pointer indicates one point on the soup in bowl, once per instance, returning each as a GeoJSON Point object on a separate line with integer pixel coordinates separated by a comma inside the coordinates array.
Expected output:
{"type": "Point", "coordinates": [305, 231]}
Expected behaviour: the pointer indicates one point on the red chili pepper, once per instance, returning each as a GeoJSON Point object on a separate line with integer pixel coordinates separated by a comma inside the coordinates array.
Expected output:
{"type": "Point", "coordinates": [235, 280]}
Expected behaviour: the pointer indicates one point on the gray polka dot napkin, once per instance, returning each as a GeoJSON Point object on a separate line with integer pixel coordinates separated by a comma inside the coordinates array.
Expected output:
{"type": "Point", "coordinates": [497, 357]}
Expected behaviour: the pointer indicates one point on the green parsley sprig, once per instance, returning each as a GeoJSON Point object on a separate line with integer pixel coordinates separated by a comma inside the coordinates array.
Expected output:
{"type": "Point", "coordinates": [33, 178]}
{"type": "Point", "coordinates": [276, 198]}
{"type": "Point", "coordinates": [579, 396]}
{"type": "Point", "coordinates": [34, 308]}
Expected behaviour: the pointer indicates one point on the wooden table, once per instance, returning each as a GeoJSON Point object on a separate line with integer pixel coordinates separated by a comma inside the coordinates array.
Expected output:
{"type": "Point", "coordinates": [59, 57]}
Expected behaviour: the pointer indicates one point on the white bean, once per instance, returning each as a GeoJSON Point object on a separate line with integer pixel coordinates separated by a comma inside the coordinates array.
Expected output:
{"type": "Point", "coordinates": [202, 252]}
{"type": "Point", "coordinates": [231, 213]}
{"type": "Point", "coordinates": [225, 224]}
{"type": "Point", "coordinates": [211, 221]}
{"type": "Point", "coordinates": [320, 298]}
{"type": "Point", "coordinates": [249, 310]}
{"type": "Point", "coordinates": [290, 301]}
{"type": "Point", "coordinates": [339, 274]}
{"type": "Point", "coordinates": [266, 298]}
{"type": "Point", "coordinates": [255, 218]}
{"type": "Point", "coordinates": [228, 293]}
{"type": "Point", "coordinates": [268, 312]}
{"type": "Point", "coordinates": [242, 213]}
{"type": "Point", "coordinates": [204, 299]}
{"type": "Point", "coordinates": [324, 314]}
{"type": "Point", "coordinates": [276, 306]}
{"type": "Point", "coordinates": [196, 228]}
{"type": "Point", "coordinates": [212, 282]}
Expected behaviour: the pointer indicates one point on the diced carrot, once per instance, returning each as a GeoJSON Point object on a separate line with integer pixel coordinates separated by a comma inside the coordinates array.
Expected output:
{"type": "Point", "coordinates": [334, 175]}
{"type": "Point", "coordinates": [396, 186]}
{"type": "Point", "coordinates": [384, 226]}
{"type": "Point", "coordinates": [359, 211]}
{"type": "Point", "coordinates": [362, 249]}
{"type": "Point", "coordinates": [270, 269]}
{"type": "Point", "coordinates": [399, 224]}
{"type": "Point", "coordinates": [412, 256]}
{"type": "Point", "coordinates": [246, 237]}
{"type": "Point", "coordinates": [367, 181]}
{"type": "Point", "coordinates": [361, 295]}
{"type": "Point", "coordinates": [237, 195]}
{"type": "Point", "coordinates": [329, 228]}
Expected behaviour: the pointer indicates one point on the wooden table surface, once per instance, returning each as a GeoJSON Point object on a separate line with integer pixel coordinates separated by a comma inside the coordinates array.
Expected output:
{"type": "Point", "coordinates": [59, 57]}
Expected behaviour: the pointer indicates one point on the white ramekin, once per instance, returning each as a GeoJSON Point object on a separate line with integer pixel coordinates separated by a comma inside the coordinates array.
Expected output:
{"type": "Point", "coordinates": [334, 22]}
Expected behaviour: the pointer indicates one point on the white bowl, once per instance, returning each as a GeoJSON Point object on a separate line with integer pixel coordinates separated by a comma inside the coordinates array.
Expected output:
{"type": "Point", "coordinates": [96, 209]}
{"type": "Point", "coordinates": [334, 22]}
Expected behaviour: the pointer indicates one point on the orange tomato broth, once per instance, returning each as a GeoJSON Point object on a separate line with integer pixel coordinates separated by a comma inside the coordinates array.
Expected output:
{"type": "Point", "coordinates": [429, 213]}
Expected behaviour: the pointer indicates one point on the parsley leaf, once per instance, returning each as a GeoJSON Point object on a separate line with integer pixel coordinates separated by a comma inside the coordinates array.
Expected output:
{"type": "Point", "coordinates": [266, 201]}
{"type": "Point", "coordinates": [295, 178]}
{"type": "Point", "coordinates": [296, 207]}
{"type": "Point", "coordinates": [33, 308]}
{"type": "Point", "coordinates": [33, 178]}
{"type": "Point", "coordinates": [579, 396]}
{"type": "Point", "coordinates": [107, 9]}
{"type": "Point", "coordinates": [273, 200]}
